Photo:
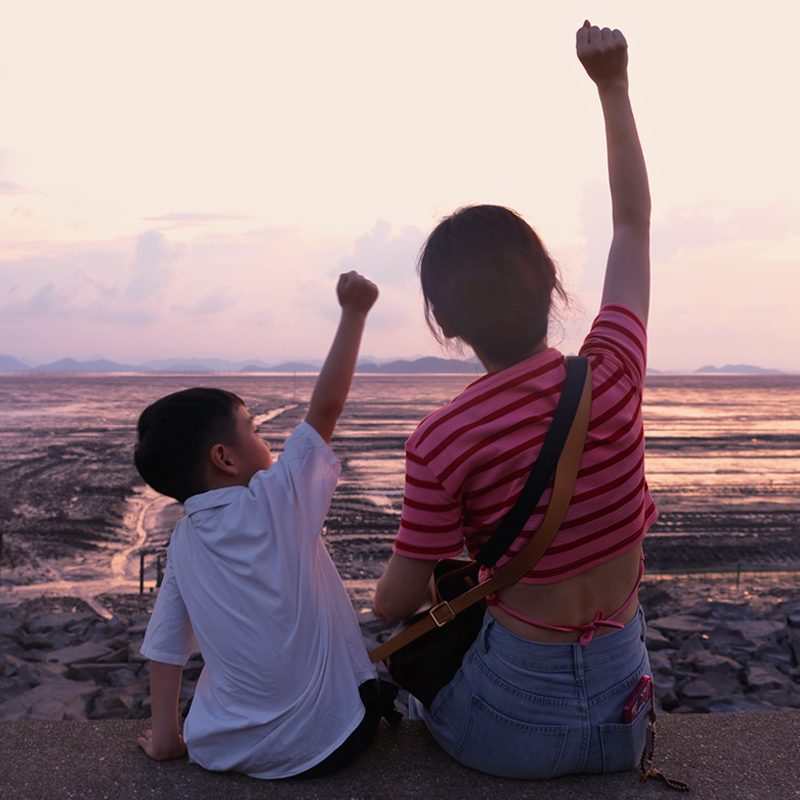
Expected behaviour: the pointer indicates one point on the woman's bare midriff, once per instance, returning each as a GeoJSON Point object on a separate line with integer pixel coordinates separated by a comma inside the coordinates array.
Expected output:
{"type": "Point", "coordinates": [574, 601]}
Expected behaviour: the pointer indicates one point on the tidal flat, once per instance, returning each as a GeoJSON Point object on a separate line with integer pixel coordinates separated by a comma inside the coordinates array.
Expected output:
{"type": "Point", "coordinates": [723, 459]}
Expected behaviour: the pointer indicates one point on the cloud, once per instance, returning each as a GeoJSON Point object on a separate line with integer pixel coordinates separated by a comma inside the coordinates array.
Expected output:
{"type": "Point", "coordinates": [9, 187]}
{"type": "Point", "coordinates": [209, 304]}
{"type": "Point", "coordinates": [698, 227]}
{"type": "Point", "coordinates": [91, 281]}
{"type": "Point", "coordinates": [153, 266]}
{"type": "Point", "coordinates": [192, 217]}
{"type": "Point", "coordinates": [388, 259]}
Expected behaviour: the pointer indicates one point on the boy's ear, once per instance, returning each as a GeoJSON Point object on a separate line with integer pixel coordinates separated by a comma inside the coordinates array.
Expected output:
{"type": "Point", "coordinates": [221, 458]}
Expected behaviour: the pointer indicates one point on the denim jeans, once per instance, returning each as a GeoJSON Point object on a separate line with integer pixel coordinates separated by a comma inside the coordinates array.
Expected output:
{"type": "Point", "coordinates": [522, 709]}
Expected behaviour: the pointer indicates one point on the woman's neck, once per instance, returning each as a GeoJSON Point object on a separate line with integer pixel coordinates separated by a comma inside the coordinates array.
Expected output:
{"type": "Point", "coordinates": [499, 366]}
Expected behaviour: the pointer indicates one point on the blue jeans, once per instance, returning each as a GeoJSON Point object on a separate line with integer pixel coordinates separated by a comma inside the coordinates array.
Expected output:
{"type": "Point", "coordinates": [522, 709]}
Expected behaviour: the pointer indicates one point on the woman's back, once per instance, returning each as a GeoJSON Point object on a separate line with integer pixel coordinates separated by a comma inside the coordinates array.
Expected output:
{"type": "Point", "coordinates": [467, 464]}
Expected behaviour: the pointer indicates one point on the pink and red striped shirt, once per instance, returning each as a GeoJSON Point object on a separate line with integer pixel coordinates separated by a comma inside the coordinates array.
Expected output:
{"type": "Point", "coordinates": [467, 462]}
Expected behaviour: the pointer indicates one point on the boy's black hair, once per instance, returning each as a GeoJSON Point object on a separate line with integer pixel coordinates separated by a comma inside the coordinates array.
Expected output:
{"type": "Point", "coordinates": [175, 435]}
{"type": "Point", "coordinates": [486, 275]}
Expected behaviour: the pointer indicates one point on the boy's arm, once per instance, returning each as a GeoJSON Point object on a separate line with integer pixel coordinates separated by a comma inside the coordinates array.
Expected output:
{"type": "Point", "coordinates": [356, 295]}
{"type": "Point", "coordinates": [164, 742]}
{"type": "Point", "coordinates": [604, 55]}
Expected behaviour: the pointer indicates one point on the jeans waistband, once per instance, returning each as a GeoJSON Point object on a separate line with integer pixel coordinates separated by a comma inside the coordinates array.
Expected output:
{"type": "Point", "coordinates": [550, 657]}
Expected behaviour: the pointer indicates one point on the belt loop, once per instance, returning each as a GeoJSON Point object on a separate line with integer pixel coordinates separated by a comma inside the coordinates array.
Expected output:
{"type": "Point", "coordinates": [483, 636]}
{"type": "Point", "coordinates": [577, 662]}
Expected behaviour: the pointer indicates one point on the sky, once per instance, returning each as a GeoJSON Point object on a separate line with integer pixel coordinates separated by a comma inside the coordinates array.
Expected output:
{"type": "Point", "coordinates": [188, 179]}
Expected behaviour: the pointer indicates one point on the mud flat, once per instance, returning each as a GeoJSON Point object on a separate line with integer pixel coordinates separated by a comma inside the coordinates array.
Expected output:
{"type": "Point", "coordinates": [721, 592]}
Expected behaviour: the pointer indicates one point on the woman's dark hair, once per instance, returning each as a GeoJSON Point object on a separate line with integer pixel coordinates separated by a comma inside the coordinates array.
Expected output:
{"type": "Point", "coordinates": [486, 275]}
{"type": "Point", "coordinates": [175, 434]}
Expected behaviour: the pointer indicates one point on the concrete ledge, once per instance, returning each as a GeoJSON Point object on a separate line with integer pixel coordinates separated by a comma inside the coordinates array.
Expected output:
{"type": "Point", "coordinates": [731, 756]}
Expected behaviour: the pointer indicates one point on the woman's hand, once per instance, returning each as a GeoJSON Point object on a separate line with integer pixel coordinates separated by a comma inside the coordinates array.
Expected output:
{"type": "Point", "coordinates": [604, 55]}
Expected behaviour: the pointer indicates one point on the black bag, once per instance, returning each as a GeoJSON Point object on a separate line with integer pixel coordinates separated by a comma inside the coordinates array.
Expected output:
{"type": "Point", "coordinates": [425, 662]}
{"type": "Point", "coordinates": [430, 662]}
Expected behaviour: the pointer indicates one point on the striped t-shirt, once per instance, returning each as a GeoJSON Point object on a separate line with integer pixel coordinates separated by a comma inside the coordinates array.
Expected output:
{"type": "Point", "coordinates": [467, 462]}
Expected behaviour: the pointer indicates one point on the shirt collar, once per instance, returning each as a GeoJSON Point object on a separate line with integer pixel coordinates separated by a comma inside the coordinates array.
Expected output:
{"type": "Point", "coordinates": [214, 498]}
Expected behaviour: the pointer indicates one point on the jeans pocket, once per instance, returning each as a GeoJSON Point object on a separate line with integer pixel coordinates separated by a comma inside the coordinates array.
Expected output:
{"type": "Point", "coordinates": [508, 748]}
{"type": "Point", "coordinates": [622, 743]}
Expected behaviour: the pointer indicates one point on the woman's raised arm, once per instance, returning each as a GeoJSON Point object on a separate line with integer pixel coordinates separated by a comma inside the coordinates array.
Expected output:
{"type": "Point", "coordinates": [604, 55]}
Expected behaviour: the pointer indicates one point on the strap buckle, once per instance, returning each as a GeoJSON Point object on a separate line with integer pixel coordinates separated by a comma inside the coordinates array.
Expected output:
{"type": "Point", "coordinates": [442, 613]}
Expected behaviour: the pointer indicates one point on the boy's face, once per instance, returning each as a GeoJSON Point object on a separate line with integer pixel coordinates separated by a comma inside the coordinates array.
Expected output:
{"type": "Point", "coordinates": [252, 452]}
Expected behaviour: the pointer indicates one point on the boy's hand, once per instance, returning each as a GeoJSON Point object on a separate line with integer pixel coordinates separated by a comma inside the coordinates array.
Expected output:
{"type": "Point", "coordinates": [355, 292]}
{"type": "Point", "coordinates": [175, 749]}
{"type": "Point", "coordinates": [604, 55]}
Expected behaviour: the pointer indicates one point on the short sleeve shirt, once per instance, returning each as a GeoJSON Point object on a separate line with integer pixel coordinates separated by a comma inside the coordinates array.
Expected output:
{"type": "Point", "coordinates": [250, 582]}
{"type": "Point", "coordinates": [466, 463]}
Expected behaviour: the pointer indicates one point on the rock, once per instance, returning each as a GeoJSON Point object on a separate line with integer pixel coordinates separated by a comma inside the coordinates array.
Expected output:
{"type": "Point", "coordinates": [134, 653]}
{"type": "Point", "coordinates": [730, 705]}
{"type": "Point", "coordinates": [756, 628]}
{"type": "Point", "coordinates": [99, 673]}
{"type": "Point", "coordinates": [660, 661]}
{"type": "Point", "coordinates": [776, 655]}
{"type": "Point", "coordinates": [12, 687]}
{"type": "Point", "coordinates": [88, 651]}
{"type": "Point", "coordinates": [42, 623]}
{"type": "Point", "coordinates": [120, 655]}
{"type": "Point", "coordinates": [780, 698]}
{"type": "Point", "coordinates": [698, 688]}
{"type": "Point", "coordinates": [794, 644]}
{"type": "Point", "coordinates": [702, 609]}
{"type": "Point", "coordinates": [706, 662]}
{"type": "Point", "coordinates": [765, 676]}
{"type": "Point", "coordinates": [11, 627]}
{"type": "Point", "coordinates": [9, 665]}
{"type": "Point", "coordinates": [681, 623]}
{"type": "Point", "coordinates": [46, 700]}
{"type": "Point", "coordinates": [118, 702]}
{"type": "Point", "coordinates": [193, 668]}
{"type": "Point", "coordinates": [121, 677]}
{"type": "Point", "coordinates": [724, 610]}
{"type": "Point", "coordinates": [35, 673]}
{"type": "Point", "coordinates": [654, 639]}
{"type": "Point", "coordinates": [76, 710]}
{"type": "Point", "coordinates": [37, 641]}
{"type": "Point", "coordinates": [693, 644]}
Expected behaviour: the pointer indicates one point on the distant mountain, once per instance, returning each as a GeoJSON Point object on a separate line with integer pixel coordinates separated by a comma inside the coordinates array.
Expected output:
{"type": "Point", "coordinates": [426, 365]}
{"type": "Point", "coordinates": [11, 364]}
{"type": "Point", "coordinates": [203, 365]}
{"type": "Point", "coordinates": [102, 365]}
{"type": "Point", "coordinates": [741, 369]}
{"type": "Point", "coordinates": [288, 366]}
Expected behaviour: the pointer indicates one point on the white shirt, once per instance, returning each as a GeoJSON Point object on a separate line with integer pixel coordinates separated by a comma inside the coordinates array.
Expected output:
{"type": "Point", "coordinates": [249, 576]}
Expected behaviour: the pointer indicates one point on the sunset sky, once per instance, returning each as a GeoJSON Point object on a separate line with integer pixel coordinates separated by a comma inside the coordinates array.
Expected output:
{"type": "Point", "coordinates": [188, 178]}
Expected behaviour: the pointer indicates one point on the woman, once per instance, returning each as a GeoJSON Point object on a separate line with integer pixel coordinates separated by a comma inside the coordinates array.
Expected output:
{"type": "Point", "coordinates": [541, 692]}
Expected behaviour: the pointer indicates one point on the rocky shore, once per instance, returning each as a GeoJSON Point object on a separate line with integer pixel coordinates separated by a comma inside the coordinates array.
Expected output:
{"type": "Point", "coordinates": [713, 647]}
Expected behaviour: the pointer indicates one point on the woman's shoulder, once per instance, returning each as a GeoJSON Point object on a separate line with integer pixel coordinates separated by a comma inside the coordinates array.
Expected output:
{"type": "Point", "coordinates": [488, 397]}
{"type": "Point", "coordinates": [618, 335]}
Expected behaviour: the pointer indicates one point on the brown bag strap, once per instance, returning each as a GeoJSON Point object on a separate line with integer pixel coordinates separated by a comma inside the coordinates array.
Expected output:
{"type": "Point", "coordinates": [565, 477]}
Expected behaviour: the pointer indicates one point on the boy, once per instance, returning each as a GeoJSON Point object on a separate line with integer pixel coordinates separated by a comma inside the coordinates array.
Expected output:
{"type": "Point", "coordinates": [288, 688]}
